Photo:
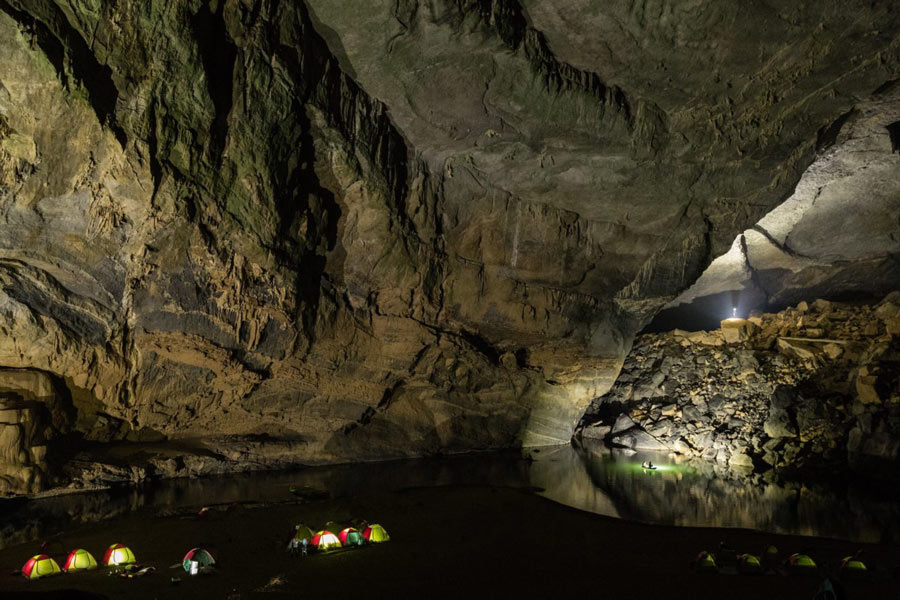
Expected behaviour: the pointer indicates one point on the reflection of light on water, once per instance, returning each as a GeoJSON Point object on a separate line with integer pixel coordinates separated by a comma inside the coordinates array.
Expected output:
{"type": "Point", "coordinates": [678, 492]}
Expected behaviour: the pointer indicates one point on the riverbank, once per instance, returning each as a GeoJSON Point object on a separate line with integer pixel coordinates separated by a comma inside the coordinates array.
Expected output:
{"type": "Point", "coordinates": [447, 542]}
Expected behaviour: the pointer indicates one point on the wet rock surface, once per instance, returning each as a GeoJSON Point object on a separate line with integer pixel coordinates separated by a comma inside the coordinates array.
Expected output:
{"type": "Point", "coordinates": [813, 387]}
{"type": "Point", "coordinates": [319, 233]}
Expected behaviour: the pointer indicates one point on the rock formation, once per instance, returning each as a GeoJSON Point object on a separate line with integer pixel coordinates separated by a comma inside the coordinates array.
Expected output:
{"type": "Point", "coordinates": [816, 386]}
{"type": "Point", "coordinates": [836, 237]}
{"type": "Point", "coordinates": [306, 232]}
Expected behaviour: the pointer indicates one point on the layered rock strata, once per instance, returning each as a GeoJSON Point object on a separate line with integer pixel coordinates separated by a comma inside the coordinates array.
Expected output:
{"type": "Point", "coordinates": [318, 232]}
{"type": "Point", "coordinates": [812, 386]}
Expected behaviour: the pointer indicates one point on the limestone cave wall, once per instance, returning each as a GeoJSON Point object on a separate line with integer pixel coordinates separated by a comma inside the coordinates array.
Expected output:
{"type": "Point", "coordinates": [305, 232]}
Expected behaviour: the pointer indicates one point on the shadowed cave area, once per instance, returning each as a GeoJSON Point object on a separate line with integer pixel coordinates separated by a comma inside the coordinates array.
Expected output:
{"type": "Point", "coordinates": [488, 258]}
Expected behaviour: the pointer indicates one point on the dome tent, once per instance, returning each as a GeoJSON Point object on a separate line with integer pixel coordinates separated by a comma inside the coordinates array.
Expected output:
{"type": "Point", "coordinates": [79, 559]}
{"type": "Point", "coordinates": [118, 554]}
{"type": "Point", "coordinates": [302, 532]}
{"type": "Point", "coordinates": [351, 537]}
{"type": "Point", "coordinates": [325, 540]}
{"type": "Point", "coordinates": [704, 562]}
{"type": "Point", "coordinates": [748, 564]}
{"type": "Point", "coordinates": [852, 564]}
{"type": "Point", "coordinates": [39, 566]}
{"type": "Point", "coordinates": [800, 563]}
{"type": "Point", "coordinates": [200, 556]}
{"type": "Point", "coordinates": [375, 534]}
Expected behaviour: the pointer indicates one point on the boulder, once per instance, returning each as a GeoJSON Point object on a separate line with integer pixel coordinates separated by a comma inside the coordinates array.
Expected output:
{"type": "Point", "coordinates": [888, 312]}
{"type": "Point", "coordinates": [832, 350]}
{"type": "Point", "coordinates": [623, 423]}
{"type": "Point", "coordinates": [637, 439]}
{"type": "Point", "coordinates": [682, 447]}
{"type": "Point", "coordinates": [796, 348]}
{"type": "Point", "coordinates": [741, 460]}
{"type": "Point", "coordinates": [596, 432]}
{"type": "Point", "coordinates": [865, 387]}
{"type": "Point", "coordinates": [691, 414]}
{"type": "Point", "coordinates": [778, 424]}
{"type": "Point", "coordinates": [737, 330]}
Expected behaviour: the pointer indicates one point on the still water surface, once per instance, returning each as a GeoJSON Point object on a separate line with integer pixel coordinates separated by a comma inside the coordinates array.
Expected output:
{"type": "Point", "coordinates": [593, 479]}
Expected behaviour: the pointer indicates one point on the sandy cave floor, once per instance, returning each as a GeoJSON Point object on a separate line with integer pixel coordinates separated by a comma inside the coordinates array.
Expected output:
{"type": "Point", "coordinates": [459, 541]}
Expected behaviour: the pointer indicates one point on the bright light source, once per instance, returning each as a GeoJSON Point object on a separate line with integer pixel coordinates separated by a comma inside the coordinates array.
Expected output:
{"type": "Point", "coordinates": [734, 311]}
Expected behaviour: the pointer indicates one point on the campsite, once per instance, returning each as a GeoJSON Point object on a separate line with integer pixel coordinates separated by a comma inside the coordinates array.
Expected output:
{"type": "Point", "coordinates": [506, 539]}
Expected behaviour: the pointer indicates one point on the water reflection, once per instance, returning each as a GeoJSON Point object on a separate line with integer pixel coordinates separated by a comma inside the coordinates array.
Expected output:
{"type": "Point", "coordinates": [613, 483]}
{"type": "Point", "coordinates": [25, 520]}
{"type": "Point", "coordinates": [590, 478]}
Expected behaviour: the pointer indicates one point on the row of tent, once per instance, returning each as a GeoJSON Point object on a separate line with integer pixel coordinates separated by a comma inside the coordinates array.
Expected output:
{"type": "Point", "coordinates": [116, 555]}
{"type": "Point", "coordinates": [750, 564]}
{"type": "Point", "coordinates": [325, 540]}
{"type": "Point", "coordinates": [79, 559]}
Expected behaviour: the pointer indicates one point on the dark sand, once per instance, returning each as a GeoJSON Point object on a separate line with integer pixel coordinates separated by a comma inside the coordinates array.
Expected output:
{"type": "Point", "coordinates": [447, 542]}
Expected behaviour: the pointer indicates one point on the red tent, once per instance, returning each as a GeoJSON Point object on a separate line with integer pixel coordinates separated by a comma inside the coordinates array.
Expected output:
{"type": "Point", "coordinates": [40, 565]}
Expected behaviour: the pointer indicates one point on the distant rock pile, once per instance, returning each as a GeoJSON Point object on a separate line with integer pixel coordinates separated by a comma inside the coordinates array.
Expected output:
{"type": "Point", "coordinates": [814, 385]}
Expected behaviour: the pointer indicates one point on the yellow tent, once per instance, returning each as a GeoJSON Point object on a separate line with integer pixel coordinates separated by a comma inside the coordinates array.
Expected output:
{"type": "Point", "coordinates": [39, 566]}
{"type": "Point", "coordinates": [80, 560]}
{"type": "Point", "coordinates": [375, 534]}
{"type": "Point", "coordinates": [325, 540]}
{"type": "Point", "coordinates": [118, 554]}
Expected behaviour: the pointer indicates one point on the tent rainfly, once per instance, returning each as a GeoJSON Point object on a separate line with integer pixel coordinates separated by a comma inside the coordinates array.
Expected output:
{"type": "Point", "coordinates": [118, 554]}
{"type": "Point", "coordinates": [197, 555]}
{"type": "Point", "coordinates": [376, 534]}
{"type": "Point", "coordinates": [325, 540]}
{"type": "Point", "coordinates": [800, 562]}
{"type": "Point", "coordinates": [39, 566]}
{"type": "Point", "coordinates": [351, 537]}
{"type": "Point", "coordinates": [748, 564]}
{"type": "Point", "coordinates": [302, 532]}
{"type": "Point", "coordinates": [80, 560]}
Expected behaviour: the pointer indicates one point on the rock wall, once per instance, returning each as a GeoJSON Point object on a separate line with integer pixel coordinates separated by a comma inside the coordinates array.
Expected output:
{"type": "Point", "coordinates": [305, 232]}
{"type": "Point", "coordinates": [815, 386]}
{"type": "Point", "coordinates": [837, 236]}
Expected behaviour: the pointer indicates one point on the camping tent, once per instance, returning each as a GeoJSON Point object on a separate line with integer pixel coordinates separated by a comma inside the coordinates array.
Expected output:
{"type": "Point", "coordinates": [40, 565]}
{"type": "Point", "coordinates": [852, 564]}
{"type": "Point", "coordinates": [375, 534]}
{"type": "Point", "coordinates": [80, 560]}
{"type": "Point", "coordinates": [800, 563]}
{"type": "Point", "coordinates": [118, 554]}
{"type": "Point", "coordinates": [325, 540]}
{"type": "Point", "coordinates": [748, 564]}
{"type": "Point", "coordinates": [198, 555]}
{"type": "Point", "coordinates": [351, 537]}
{"type": "Point", "coordinates": [705, 562]}
{"type": "Point", "coordinates": [302, 532]}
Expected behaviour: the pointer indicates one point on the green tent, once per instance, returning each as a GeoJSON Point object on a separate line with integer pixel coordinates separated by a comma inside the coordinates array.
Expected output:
{"type": "Point", "coordinates": [852, 564]}
{"type": "Point", "coordinates": [351, 537]}
{"type": "Point", "coordinates": [705, 562]}
{"type": "Point", "coordinates": [199, 556]}
{"type": "Point", "coordinates": [748, 564]}
{"type": "Point", "coordinates": [302, 532]}
{"type": "Point", "coordinates": [800, 563]}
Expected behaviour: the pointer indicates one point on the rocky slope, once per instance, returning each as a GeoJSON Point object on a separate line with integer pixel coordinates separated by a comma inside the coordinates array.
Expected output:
{"type": "Point", "coordinates": [304, 232]}
{"type": "Point", "coordinates": [810, 387]}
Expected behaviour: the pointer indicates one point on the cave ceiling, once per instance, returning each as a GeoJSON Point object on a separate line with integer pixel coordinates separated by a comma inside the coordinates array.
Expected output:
{"type": "Point", "coordinates": [394, 227]}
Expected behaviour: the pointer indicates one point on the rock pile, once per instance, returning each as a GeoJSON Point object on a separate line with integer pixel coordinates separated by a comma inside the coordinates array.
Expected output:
{"type": "Point", "coordinates": [815, 384]}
